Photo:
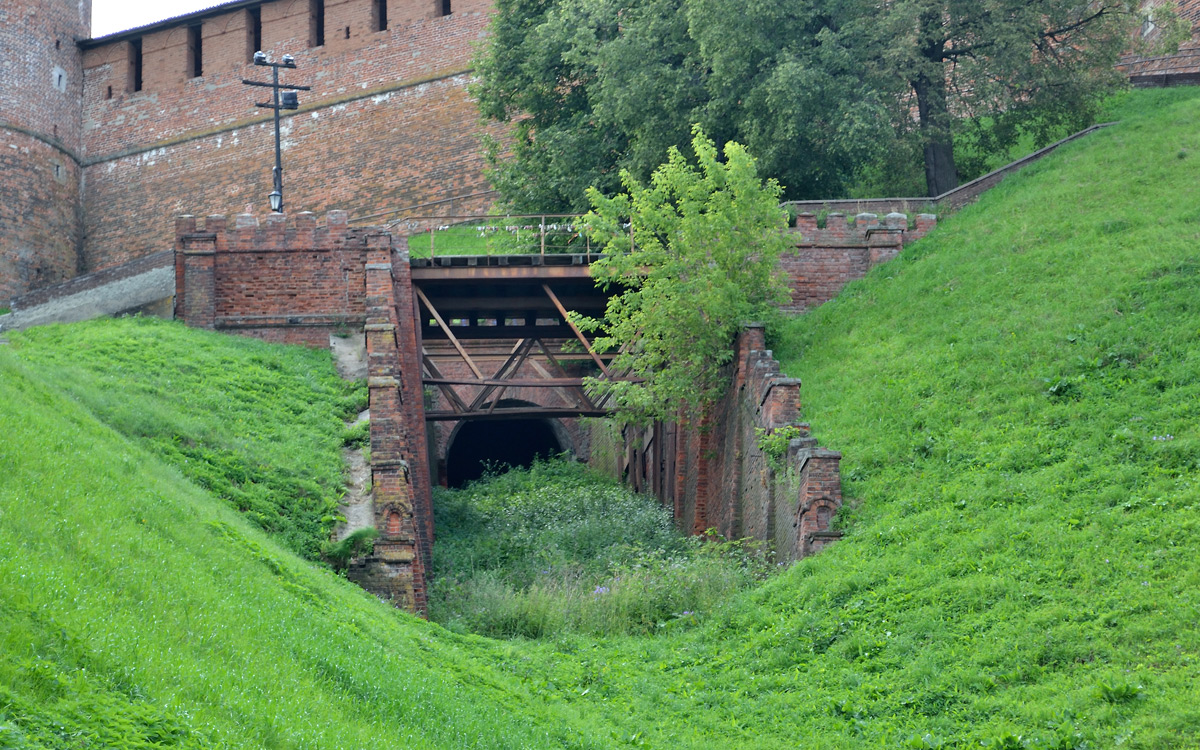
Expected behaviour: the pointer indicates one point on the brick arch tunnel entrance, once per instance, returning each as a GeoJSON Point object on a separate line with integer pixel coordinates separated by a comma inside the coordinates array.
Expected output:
{"type": "Point", "coordinates": [476, 445]}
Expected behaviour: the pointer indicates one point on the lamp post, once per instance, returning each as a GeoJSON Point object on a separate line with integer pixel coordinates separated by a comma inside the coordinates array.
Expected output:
{"type": "Point", "coordinates": [285, 97]}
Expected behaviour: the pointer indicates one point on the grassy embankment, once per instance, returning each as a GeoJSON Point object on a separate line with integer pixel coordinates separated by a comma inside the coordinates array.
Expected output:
{"type": "Point", "coordinates": [1016, 398]}
{"type": "Point", "coordinates": [138, 610]}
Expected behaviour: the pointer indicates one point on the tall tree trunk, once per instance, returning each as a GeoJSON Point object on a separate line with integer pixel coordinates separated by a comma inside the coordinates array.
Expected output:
{"type": "Point", "coordinates": [929, 85]}
{"type": "Point", "coordinates": [940, 173]}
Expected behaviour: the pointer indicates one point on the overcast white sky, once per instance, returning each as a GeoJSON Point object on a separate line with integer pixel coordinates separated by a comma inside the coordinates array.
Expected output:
{"type": "Point", "coordinates": [111, 16]}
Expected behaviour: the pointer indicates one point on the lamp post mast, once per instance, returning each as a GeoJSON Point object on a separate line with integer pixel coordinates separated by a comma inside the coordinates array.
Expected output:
{"type": "Point", "coordinates": [278, 150]}
{"type": "Point", "coordinates": [283, 97]}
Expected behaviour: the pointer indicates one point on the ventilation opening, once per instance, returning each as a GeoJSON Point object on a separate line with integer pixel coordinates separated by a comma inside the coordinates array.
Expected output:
{"type": "Point", "coordinates": [316, 23]}
{"type": "Point", "coordinates": [108, 93]}
{"type": "Point", "coordinates": [254, 33]}
{"type": "Point", "coordinates": [443, 7]}
{"type": "Point", "coordinates": [379, 15]}
{"type": "Point", "coordinates": [195, 51]}
{"type": "Point", "coordinates": [509, 442]}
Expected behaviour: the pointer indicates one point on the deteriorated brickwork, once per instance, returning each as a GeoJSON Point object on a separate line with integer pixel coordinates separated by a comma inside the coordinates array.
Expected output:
{"type": "Point", "coordinates": [287, 282]}
{"type": "Point", "coordinates": [105, 139]}
{"type": "Point", "coordinates": [387, 124]}
{"type": "Point", "coordinates": [716, 474]}
{"type": "Point", "coordinates": [41, 86]}
{"type": "Point", "coordinates": [298, 281]}
{"type": "Point", "coordinates": [824, 260]}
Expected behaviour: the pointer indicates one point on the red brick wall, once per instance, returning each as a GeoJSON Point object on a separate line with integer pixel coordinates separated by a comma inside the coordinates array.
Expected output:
{"type": "Point", "coordinates": [39, 190]}
{"type": "Point", "coordinates": [41, 87]}
{"type": "Point", "coordinates": [290, 282]}
{"type": "Point", "coordinates": [724, 481]}
{"type": "Point", "coordinates": [825, 259]}
{"type": "Point", "coordinates": [387, 124]}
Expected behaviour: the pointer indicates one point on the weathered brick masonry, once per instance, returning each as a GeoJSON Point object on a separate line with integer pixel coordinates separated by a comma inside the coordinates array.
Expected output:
{"type": "Point", "coordinates": [825, 259]}
{"type": "Point", "coordinates": [102, 139]}
{"type": "Point", "coordinates": [297, 281]}
{"type": "Point", "coordinates": [41, 88]}
{"type": "Point", "coordinates": [722, 480]}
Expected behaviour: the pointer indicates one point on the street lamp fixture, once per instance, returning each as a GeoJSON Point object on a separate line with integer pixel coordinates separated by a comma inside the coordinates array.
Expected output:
{"type": "Point", "coordinates": [285, 97]}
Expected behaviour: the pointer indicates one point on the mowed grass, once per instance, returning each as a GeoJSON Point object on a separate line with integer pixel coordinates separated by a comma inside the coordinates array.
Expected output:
{"type": "Point", "coordinates": [138, 611]}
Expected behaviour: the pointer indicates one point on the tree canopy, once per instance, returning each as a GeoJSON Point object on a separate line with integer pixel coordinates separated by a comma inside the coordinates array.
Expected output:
{"type": "Point", "coordinates": [831, 95]}
{"type": "Point", "coordinates": [596, 86]}
{"type": "Point", "coordinates": [693, 254]}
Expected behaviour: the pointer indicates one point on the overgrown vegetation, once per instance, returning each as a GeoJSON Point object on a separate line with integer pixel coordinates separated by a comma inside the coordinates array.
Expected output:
{"type": "Point", "coordinates": [138, 612]}
{"type": "Point", "coordinates": [259, 425]}
{"type": "Point", "coordinates": [835, 97]}
{"type": "Point", "coordinates": [688, 258]}
{"type": "Point", "coordinates": [1016, 401]}
{"type": "Point", "coordinates": [555, 549]}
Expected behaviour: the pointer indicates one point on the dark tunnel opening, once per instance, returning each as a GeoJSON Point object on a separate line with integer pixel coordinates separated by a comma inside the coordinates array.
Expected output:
{"type": "Point", "coordinates": [512, 442]}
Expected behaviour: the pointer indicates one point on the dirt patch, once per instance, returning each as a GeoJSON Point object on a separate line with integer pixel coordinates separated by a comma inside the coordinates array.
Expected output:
{"type": "Point", "coordinates": [350, 355]}
{"type": "Point", "coordinates": [357, 504]}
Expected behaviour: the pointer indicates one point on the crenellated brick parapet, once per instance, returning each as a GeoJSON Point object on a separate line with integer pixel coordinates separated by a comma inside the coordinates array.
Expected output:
{"type": "Point", "coordinates": [825, 258]}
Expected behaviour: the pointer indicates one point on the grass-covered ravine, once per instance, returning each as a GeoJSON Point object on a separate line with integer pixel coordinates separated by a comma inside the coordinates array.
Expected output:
{"type": "Point", "coordinates": [1017, 398]}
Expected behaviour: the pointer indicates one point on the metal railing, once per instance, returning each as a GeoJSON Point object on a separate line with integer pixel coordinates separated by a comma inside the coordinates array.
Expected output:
{"type": "Point", "coordinates": [512, 234]}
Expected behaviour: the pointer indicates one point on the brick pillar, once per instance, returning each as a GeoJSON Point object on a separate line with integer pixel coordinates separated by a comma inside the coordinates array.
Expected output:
{"type": "Point", "coordinates": [395, 571]}
{"type": "Point", "coordinates": [195, 273]}
{"type": "Point", "coordinates": [819, 496]}
{"type": "Point", "coordinates": [407, 320]}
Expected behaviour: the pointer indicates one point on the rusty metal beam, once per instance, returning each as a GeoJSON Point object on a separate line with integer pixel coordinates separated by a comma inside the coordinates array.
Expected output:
{"type": "Point", "coordinates": [446, 329]}
{"type": "Point", "coordinates": [456, 402]}
{"type": "Point", "coordinates": [508, 383]}
{"type": "Point", "coordinates": [499, 273]}
{"type": "Point", "coordinates": [518, 354]}
{"type": "Point", "coordinates": [516, 413]}
{"type": "Point", "coordinates": [578, 333]}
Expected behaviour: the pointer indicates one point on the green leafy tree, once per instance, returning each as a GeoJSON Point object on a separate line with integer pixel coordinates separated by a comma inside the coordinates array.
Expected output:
{"type": "Point", "coordinates": [1021, 66]}
{"type": "Point", "coordinates": [692, 255]}
{"type": "Point", "coordinates": [593, 87]}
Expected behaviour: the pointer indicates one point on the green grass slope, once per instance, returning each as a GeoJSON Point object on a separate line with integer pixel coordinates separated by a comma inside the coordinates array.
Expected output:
{"type": "Point", "coordinates": [139, 611]}
{"type": "Point", "coordinates": [260, 426]}
{"type": "Point", "coordinates": [1017, 400]}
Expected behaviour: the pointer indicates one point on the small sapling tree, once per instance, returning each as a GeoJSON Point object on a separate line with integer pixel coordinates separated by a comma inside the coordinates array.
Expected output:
{"type": "Point", "coordinates": [693, 254]}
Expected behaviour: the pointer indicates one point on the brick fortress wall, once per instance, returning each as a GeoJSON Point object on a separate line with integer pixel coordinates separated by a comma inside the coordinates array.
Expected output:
{"type": "Point", "coordinates": [387, 124]}
{"type": "Point", "coordinates": [41, 87]}
{"type": "Point", "coordinates": [297, 281]}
